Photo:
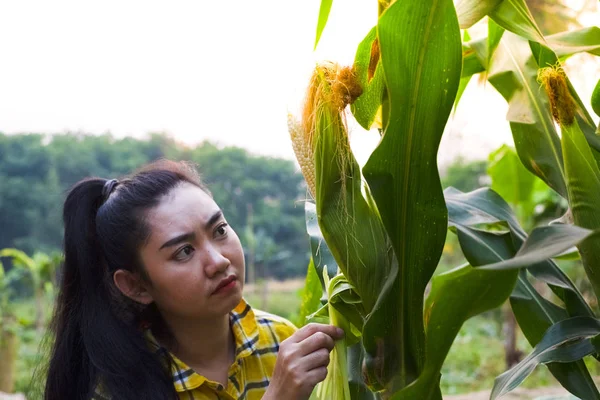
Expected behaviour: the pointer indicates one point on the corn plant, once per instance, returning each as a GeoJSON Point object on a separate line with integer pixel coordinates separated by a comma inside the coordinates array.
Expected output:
{"type": "Point", "coordinates": [379, 230]}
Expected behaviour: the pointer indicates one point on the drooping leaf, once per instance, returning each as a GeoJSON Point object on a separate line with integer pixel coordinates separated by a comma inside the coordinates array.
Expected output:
{"type": "Point", "coordinates": [471, 11]}
{"type": "Point", "coordinates": [565, 342]}
{"type": "Point", "coordinates": [421, 56]}
{"type": "Point", "coordinates": [534, 314]}
{"type": "Point", "coordinates": [370, 74]}
{"type": "Point", "coordinates": [583, 183]}
{"type": "Point", "coordinates": [514, 16]}
{"type": "Point", "coordinates": [542, 244]}
{"type": "Point", "coordinates": [323, 17]}
{"type": "Point", "coordinates": [445, 312]}
{"type": "Point", "coordinates": [565, 44]}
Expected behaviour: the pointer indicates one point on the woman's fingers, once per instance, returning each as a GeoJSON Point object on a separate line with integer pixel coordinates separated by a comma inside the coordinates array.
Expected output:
{"type": "Point", "coordinates": [318, 340]}
{"type": "Point", "coordinates": [310, 329]}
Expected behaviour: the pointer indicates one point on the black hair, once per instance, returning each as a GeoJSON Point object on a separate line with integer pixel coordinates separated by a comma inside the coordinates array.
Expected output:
{"type": "Point", "coordinates": [98, 339]}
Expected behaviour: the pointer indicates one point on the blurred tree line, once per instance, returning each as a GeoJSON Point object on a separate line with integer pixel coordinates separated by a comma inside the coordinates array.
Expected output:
{"type": "Point", "coordinates": [261, 196]}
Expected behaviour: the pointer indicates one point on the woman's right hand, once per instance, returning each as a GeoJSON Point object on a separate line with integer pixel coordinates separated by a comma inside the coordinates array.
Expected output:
{"type": "Point", "coordinates": [302, 362]}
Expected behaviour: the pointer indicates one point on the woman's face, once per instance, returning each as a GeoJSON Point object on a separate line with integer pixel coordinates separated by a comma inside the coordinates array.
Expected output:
{"type": "Point", "coordinates": [193, 258]}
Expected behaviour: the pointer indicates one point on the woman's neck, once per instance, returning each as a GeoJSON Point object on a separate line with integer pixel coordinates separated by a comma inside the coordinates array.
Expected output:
{"type": "Point", "coordinates": [205, 345]}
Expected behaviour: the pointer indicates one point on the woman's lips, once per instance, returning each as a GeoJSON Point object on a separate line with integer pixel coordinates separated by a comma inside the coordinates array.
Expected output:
{"type": "Point", "coordinates": [225, 285]}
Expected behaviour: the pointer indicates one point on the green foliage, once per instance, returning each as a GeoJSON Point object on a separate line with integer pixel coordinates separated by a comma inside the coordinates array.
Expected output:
{"type": "Point", "coordinates": [36, 172]}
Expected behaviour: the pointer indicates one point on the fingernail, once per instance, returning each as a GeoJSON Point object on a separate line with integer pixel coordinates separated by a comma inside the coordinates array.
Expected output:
{"type": "Point", "coordinates": [340, 331]}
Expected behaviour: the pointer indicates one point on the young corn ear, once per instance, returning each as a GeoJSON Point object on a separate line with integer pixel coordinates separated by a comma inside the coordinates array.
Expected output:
{"type": "Point", "coordinates": [330, 90]}
{"type": "Point", "coordinates": [562, 104]}
{"type": "Point", "coordinates": [304, 152]}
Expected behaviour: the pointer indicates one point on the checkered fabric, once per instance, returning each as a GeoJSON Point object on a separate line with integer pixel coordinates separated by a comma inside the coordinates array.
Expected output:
{"type": "Point", "coordinates": [257, 338]}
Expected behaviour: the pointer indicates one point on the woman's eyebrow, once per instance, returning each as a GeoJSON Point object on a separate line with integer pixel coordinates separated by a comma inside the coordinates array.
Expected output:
{"type": "Point", "coordinates": [186, 237]}
{"type": "Point", "coordinates": [215, 217]}
{"type": "Point", "coordinates": [190, 236]}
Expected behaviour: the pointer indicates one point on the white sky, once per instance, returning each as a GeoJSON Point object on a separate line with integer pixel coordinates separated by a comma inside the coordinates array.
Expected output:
{"type": "Point", "coordinates": [224, 71]}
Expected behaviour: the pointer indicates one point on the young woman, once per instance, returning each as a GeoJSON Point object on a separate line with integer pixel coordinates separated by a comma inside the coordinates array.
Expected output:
{"type": "Point", "coordinates": [150, 303]}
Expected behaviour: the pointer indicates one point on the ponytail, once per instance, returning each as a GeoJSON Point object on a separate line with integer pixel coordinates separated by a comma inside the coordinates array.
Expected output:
{"type": "Point", "coordinates": [98, 345]}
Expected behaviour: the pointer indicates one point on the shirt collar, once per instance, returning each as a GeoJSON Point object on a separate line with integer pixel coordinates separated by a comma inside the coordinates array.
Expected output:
{"type": "Point", "coordinates": [245, 332]}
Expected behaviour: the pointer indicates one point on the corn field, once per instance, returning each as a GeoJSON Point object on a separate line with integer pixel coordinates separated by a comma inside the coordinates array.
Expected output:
{"type": "Point", "coordinates": [378, 230]}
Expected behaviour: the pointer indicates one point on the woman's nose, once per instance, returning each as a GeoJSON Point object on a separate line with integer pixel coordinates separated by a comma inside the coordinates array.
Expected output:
{"type": "Point", "coordinates": [214, 262]}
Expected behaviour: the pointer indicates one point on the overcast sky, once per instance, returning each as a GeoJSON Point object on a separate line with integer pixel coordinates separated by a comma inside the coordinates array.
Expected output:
{"type": "Point", "coordinates": [227, 71]}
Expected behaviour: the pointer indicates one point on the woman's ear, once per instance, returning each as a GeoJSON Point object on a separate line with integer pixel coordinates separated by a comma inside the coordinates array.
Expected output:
{"type": "Point", "coordinates": [131, 285]}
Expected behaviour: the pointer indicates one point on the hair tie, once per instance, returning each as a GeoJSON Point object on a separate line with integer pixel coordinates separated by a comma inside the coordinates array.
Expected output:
{"type": "Point", "coordinates": [108, 188]}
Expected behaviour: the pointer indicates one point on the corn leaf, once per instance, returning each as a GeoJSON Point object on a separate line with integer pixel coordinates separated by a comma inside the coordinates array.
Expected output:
{"type": "Point", "coordinates": [472, 11]}
{"type": "Point", "coordinates": [514, 16]}
{"type": "Point", "coordinates": [583, 182]}
{"type": "Point", "coordinates": [564, 342]}
{"type": "Point", "coordinates": [565, 44]}
{"type": "Point", "coordinates": [542, 244]}
{"type": "Point", "coordinates": [596, 99]}
{"type": "Point", "coordinates": [323, 17]}
{"type": "Point", "coordinates": [445, 312]}
{"type": "Point", "coordinates": [370, 74]}
{"type": "Point", "coordinates": [534, 314]}
{"type": "Point", "coordinates": [421, 57]}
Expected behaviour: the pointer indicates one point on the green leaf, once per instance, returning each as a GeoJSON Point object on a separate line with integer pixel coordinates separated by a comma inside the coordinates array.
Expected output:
{"type": "Point", "coordinates": [513, 72]}
{"type": "Point", "coordinates": [596, 99]}
{"type": "Point", "coordinates": [581, 40]}
{"type": "Point", "coordinates": [542, 244]}
{"type": "Point", "coordinates": [514, 16]}
{"type": "Point", "coordinates": [534, 314]}
{"type": "Point", "coordinates": [445, 312]}
{"type": "Point", "coordinates": [471, 11]}
{"type": "Point", "coordinates": [311, 294]}
{"type": "Point", "coordinates": [323, 17]}
{"type": "Point", "coordinates": [583, 183]}
{"type": "Point", "coordinates": [365, 107]}
{"type": "Point", "coordinates": [421, 57]}
{"type": "Point", "coordinates": [495, 33]}
{"type": "Point", "coordinates": [566, 341]}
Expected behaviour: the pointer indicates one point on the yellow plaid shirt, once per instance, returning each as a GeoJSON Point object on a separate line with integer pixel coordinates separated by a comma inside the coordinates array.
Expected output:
{"type": "Point", "coordinates": [257, 338]}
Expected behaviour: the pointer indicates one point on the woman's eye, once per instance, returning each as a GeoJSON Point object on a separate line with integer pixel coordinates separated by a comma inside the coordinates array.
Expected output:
{"type": "Point", "coordinates": [221, 230]}
{"type": "Point", "coordinates": [184, 253]}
